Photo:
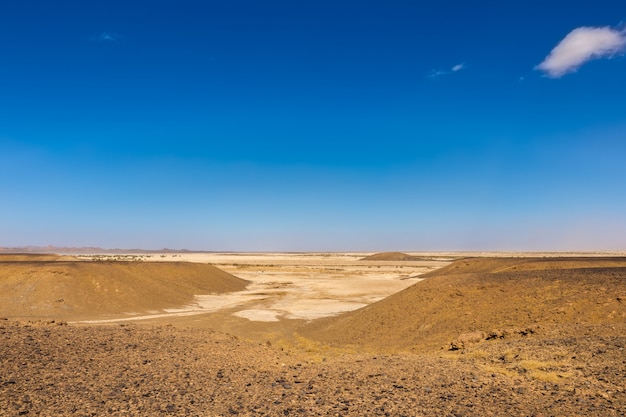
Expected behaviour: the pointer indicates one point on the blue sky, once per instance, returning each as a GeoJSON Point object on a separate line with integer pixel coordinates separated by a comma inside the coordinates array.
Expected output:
{"type": "Point", "coordinates": [326, 125]}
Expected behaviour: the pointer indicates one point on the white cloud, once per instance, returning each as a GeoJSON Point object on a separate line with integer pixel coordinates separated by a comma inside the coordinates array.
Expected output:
{"type": "Point", "coordinates": [581, 45]}
{"type": "Point", "coordinates": [439, 72]}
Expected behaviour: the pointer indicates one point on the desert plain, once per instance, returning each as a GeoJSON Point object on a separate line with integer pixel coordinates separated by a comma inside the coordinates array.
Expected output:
{"type": "Point", "coordinates": [312, 334]}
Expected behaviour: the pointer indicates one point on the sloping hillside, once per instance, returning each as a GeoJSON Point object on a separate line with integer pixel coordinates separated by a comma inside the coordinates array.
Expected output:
{"type": "Point", "coordinates": [487, 298]}
{"type": "Point", "coordinates": [52, 287]}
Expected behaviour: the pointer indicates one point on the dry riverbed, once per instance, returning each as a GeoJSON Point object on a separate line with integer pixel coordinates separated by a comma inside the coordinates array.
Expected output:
{"type": "Point", "coordinates": [287, 287]}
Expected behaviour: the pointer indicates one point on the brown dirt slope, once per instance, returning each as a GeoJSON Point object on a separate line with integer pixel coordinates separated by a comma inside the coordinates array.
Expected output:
{"type": "Point", "coordinates": [506, 297]}
{"type": "Point", "coordinates": [391, 256]}
{"type": "Point", "coordinates": [72, 290]}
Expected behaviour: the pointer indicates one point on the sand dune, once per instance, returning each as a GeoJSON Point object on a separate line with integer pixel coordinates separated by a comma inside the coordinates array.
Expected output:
{"type": "Point", "coordinates": [488, 297]}
{"type": "Point", "coordinates": [44, 286]}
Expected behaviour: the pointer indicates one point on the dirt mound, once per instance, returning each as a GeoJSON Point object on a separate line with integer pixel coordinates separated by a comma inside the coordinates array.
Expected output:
{"type": "Point", "coordinates": [391, 256]}
{"type": "Point", "coordinates": [42, 287]}
{"type": "Point", "coordinates": [456, 307]}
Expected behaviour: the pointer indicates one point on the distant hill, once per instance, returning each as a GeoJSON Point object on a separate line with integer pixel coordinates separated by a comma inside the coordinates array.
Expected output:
{"type": "Point", "coordinates": [485, 296]}
{"type": "Point", "coordinates": [45, 286]}
{"type": "Point", "coordinates": [88, 250]}
{"type": "Point", "coordinates": [391, 256]}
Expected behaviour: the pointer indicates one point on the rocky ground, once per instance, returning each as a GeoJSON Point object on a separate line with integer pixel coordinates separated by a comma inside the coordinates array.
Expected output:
{"type": "Point", "coordinates": [481, 337]}
{"type": "Point", "coordinates": [52, 369]}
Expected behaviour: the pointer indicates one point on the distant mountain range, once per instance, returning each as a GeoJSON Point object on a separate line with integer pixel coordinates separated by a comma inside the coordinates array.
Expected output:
{"type": "Point", "coordinates": [88, 250]}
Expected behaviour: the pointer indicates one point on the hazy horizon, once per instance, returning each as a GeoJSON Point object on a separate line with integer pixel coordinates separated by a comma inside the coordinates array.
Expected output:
{"type": "Point", "coordinates": [325, 126]}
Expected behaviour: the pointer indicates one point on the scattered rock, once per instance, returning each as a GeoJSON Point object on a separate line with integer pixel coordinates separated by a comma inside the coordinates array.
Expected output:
{"type": "Point", "coordinates": [466, 339]}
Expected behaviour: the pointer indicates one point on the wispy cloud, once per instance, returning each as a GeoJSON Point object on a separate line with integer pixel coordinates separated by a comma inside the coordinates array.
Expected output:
{"type": "Point", "coordinates": [581, 45]}
{"type": "Point", "coordinates": [439, 72]}
{"type": "Point", "coordinates": [107, 37]}
{"type": "Point", "coordinates": [436, 73]}
{"type": "Point", "coordinates": [458, 67]}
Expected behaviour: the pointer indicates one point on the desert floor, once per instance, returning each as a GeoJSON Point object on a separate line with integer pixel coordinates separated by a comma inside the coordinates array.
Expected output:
{"type": "Point", "coordinates": [313, 334]}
